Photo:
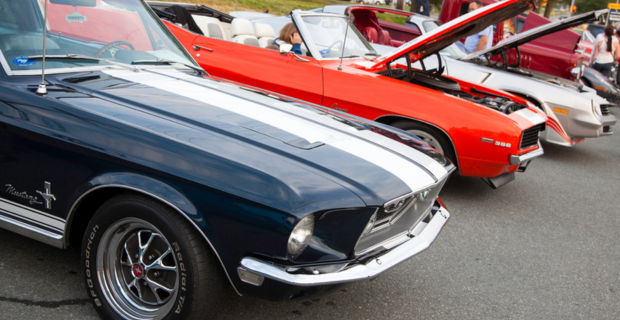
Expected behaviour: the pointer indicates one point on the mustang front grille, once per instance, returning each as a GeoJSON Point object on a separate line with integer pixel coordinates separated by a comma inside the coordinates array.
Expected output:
{"type": "Point", "coordinates": [396, 219]}
{"type": "Point", "coordinates": [530, 136]}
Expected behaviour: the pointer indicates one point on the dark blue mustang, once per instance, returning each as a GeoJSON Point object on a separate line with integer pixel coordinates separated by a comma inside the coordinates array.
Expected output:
{"type": "Point", "coordinates": [172, 181]}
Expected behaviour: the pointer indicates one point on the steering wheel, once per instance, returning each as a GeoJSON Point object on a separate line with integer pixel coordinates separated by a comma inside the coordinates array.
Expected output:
{"type": "Point", "coordinates": [112, 45]}
{"type": "Point", "coordinates": [337, 42]}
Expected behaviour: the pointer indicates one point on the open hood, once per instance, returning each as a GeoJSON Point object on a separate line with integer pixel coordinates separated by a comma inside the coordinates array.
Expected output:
{"type": "Point", "coordinates": [532, 34]}
{"type": "Point", "coordinates": [464, 26]}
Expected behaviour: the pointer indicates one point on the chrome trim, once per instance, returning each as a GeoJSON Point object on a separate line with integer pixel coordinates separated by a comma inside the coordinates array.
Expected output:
{"type": "Point", "coordinates": [197, 48]}
{"type": "Point", "coordinates": [5, 64]}
{"type": "Point", "coordinates": [31, 232]}
{"type": "Point", "coordinates": [514, 160]}
{"type": "Point", "coordinates": [83, 69]}
{"type": "Point", "coordinates": [395, 238]}
{"type": "Point", "coordinates": [430, 124]}
{"type": "Point", "coordinates": [73, 207]}
{"type": "Point", "coordinates": [367, 271]}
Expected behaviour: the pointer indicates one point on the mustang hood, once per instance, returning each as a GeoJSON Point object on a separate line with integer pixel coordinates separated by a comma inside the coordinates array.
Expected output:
{"type": "Point", "coordinates": [459, 28]}
{"type": "Point", "coordinates": [532, 34]}
{"type": "Point", "coordinates": [306, 150]}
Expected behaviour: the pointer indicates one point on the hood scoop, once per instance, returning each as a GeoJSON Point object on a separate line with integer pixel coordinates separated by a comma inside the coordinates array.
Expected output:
{"type": "Point", "coordinates": [280, 135]}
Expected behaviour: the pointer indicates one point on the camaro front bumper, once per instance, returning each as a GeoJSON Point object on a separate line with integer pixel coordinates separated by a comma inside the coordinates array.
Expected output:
{"type": "Point", "coordinates": [514, 160]}
{"type": "Point", "coordinates": [369, 270]}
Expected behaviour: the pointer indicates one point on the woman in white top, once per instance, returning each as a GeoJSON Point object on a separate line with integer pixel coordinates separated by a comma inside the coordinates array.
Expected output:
{"type": "Point", "coordinates": [606, 51]}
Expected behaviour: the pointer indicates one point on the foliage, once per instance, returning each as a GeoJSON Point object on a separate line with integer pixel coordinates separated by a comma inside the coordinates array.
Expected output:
{"type": "Point", "coordinates": [277, 7]}
{"type": "Point", "coordinates": [589, 5]}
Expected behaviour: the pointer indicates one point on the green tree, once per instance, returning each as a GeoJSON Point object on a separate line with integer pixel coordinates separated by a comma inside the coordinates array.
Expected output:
{"type": "Point", "coordinates": [589, 5]}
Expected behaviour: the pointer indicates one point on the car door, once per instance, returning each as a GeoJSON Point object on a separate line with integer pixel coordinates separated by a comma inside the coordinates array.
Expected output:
{"type": "Point", "coordinates": [33, 186]}
{"type": "Point", "coordinates": [298, 77]}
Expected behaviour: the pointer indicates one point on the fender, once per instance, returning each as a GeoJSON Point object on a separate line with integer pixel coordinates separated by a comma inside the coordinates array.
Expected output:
{"type": "Point", "coordinates": [381, 118]}
{"type": "Point", "coordinates": [151, 188]}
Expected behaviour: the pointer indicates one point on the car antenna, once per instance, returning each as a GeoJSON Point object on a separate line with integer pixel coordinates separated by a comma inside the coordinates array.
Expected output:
{"type": "Point", "coordinates": [343, 43]}
{"type": "Point", "coordinates": [42, 87]}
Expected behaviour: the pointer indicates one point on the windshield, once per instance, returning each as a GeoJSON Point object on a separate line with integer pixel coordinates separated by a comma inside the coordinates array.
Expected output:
{"type": "Point", "coordinates": [453, 51]}
{"type": "Point", "coordinates": [121, 31]}
{"type": "Point", "coordinates": [327, 34]}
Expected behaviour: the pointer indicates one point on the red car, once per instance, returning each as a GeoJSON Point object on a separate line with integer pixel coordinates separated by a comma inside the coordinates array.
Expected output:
{"type": "Point", "coordinates": [486, 132]}
{"type": "Point", "coordinates": [555, 54]}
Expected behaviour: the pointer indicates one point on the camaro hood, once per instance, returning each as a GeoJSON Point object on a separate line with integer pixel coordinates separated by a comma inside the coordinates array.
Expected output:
{"type": "Point", "coordinates": [304, 144]}
{"type": "Point", "coordinates": [459, 28]}
{"type": "Point", "coordinates": [532, 34]}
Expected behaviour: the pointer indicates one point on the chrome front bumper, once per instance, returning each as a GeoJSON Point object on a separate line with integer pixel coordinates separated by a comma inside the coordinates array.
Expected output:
{"type": "Point", "coordinates": [369, 270]}
{"type": "Point", "coordinates": [527, 156]}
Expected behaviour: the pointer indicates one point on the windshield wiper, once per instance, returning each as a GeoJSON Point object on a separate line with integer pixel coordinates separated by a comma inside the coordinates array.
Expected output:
{"type": "Point", "coordinates": [73, 56]}
{"type": "Point", "coordinates": [371, 54]}
{"type": "Point", "coordinates": [351, 56]}
{"type": "Point", "coordinates": [171, 62]}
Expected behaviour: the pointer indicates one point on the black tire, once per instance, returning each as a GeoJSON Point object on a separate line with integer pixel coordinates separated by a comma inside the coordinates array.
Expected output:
{"type": "Point", "coordinates": [424, 132]}
{"type": "Point", "coordinates": [174, 257]}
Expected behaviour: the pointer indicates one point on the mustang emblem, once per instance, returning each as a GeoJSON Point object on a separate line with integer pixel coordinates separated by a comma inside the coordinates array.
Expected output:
{"type": "Point", "coordinates": [48, 196]}
{"type": "Point", "coordinates": [24, 195]}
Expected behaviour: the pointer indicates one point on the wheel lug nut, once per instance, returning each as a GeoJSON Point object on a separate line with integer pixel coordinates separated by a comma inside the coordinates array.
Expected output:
{"type": "Point", "coordinates": [151, 257]}
{"type": "Point", "coordinates": [136, 256]}
{"type": "Point", "coordinates": [156, 274]}
{"type": "Point", "coordinates": [144, 283]}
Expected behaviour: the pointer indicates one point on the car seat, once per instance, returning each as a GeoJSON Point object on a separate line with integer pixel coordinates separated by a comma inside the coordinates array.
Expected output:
{"type": "Point", "coordinates": [370, 34]}
{"type": "Point", "coordinates": [265, 34]}
{"type": "Point", "coordinates": [242, 31]}
{"type": "Point", "coordinates": [384, 37]}
{"type": "Point", "coordinates": [211, 27]}
{"type": "Point", "coordinates": [185, 19]}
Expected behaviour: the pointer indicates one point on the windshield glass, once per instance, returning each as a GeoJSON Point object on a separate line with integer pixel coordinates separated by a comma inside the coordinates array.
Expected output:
{"type": "Point", "coordinates": [121, 31]}
{"type": "Point", "coordinates": [453, 51]}
{"type": "Point", "coordinates": [327, 35]}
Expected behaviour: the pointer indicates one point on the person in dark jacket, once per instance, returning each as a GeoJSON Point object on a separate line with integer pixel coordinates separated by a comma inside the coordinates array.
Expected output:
{"type": "Point", "coordinates": [424, 8]}
{"type": "Point", "coordinates": [290, 35]}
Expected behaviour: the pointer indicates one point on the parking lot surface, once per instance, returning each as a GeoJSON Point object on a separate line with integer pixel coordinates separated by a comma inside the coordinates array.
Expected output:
{"type": "Point", "coordinates": [545, 246]}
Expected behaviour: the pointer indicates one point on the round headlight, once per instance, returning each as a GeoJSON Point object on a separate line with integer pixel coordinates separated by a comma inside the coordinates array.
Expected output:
{"type": "Point", "coordinates": [301, 235]}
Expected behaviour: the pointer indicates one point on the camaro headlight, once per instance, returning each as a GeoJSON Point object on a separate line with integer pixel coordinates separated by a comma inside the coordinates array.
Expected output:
{"type": "Point", "coordinates": [301, 235]}
{"type": "Point", "coordinates": [596, 109]}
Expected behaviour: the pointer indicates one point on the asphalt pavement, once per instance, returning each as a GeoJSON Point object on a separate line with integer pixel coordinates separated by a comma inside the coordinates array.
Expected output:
{"type": "Point", "coordinates": [545, 246]}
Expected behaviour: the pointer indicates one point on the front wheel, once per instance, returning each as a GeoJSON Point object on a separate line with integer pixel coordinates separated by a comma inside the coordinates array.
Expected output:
{"type": "Point", "coordinates": [141, 260]}
{"type": "Point", "coordinates": [433, 137]}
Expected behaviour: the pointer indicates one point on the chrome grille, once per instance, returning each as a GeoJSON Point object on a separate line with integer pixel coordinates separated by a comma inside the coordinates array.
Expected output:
{"type": "Point", "coordinates": [398, 221]}
{"type": "Point", "coordinates": [530, 136]}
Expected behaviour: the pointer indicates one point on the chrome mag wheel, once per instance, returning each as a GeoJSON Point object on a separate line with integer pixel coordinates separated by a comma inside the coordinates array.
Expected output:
{"type": "Point", "coordinates": [137, 270]}
{"type": "Point", "coordinates": [428, 138]}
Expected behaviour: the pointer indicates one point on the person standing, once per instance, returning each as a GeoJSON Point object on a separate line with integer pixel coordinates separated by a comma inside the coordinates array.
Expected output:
{"type": "Point", "coordinates": [424, 8]}
{"type": "Point", "coordinates": [481, 40]}
{"type": "Point", "coordinates": [606, 51]}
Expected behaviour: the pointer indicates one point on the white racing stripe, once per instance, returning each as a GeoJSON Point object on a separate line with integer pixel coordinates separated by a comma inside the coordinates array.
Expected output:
{"type": "Point", "coordinates": [35, 216]}
{"type": "Point", "coordinates": [412, 175]}
{"type": "Point", "coordinates": [531, 116]}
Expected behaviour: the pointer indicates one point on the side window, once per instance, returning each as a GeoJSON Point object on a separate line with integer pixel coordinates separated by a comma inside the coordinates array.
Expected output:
{"type": "Point", "coordinates": [464, 8]}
